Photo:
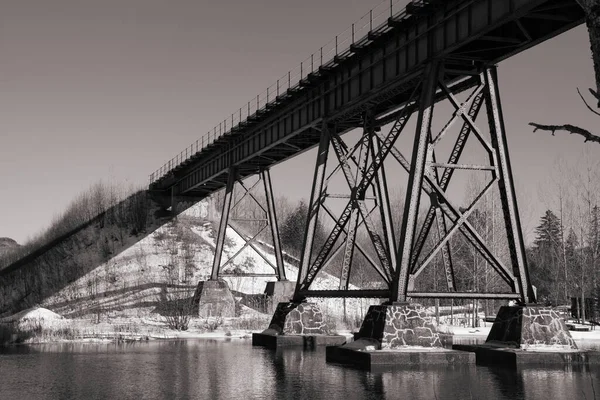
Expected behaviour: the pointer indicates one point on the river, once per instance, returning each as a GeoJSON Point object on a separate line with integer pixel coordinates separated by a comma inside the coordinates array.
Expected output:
{"type": "Point", "coordinates": [233, 369]}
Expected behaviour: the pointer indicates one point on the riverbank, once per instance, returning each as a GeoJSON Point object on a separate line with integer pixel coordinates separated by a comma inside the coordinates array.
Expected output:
{"type": "Point", "coordinates": [43, 326]}
{"type": "Point", "coordinates": [40, 325]}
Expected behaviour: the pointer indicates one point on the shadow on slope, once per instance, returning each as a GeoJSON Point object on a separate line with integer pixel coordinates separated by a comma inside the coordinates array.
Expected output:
{"type": "Point", "coordinates": [66, 258]}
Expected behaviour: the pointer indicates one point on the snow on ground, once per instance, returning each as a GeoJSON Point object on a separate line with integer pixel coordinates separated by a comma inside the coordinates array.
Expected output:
{"type": "Point", "coordinates": [170, 262]}
{"type": "Point", "coordinates": [38, 313]}
{"type": "Point", "coordinates": [355, 308]}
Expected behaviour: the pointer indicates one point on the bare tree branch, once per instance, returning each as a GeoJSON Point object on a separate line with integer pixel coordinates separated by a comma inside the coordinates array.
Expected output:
{"type": "Point", "coordinates": [589, 137]}
{"type": "Point", "coordinates": [585, 102]}
{"type": "Point", "coordinates": [595, 94]}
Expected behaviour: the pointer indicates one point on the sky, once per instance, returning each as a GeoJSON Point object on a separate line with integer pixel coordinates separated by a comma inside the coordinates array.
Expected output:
{"type": "Point", "coordinates": [110, 90]}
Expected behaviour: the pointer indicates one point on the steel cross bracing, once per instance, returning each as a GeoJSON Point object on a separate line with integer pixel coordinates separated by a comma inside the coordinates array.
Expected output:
{"type": "Point", "coordinates": [367, 171]}
{"type": "Point", "coordinates": [399, 264]}
{"type": "Point", "coordinates": [266, 206]}
{"type": "Point", "coordinates": [424, 177]}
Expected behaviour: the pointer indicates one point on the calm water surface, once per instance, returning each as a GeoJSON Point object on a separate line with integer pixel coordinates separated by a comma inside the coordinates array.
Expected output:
{"type": "Point", "coordinates": [219, 369]}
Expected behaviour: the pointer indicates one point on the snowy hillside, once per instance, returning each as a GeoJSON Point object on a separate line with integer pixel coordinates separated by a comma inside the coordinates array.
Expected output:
{"type": "Point", "coordinates": [168, 264]}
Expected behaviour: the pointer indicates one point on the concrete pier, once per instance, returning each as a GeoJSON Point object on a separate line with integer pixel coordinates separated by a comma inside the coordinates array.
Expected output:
{"type": "Point", "coordinates": [529, 335]}
{"type": "Point", "coordinates": [297, 324]}
{"type": "Point", "coordinates": [397, 334]}
{"type": "Point", "coordinates": [214, 299]}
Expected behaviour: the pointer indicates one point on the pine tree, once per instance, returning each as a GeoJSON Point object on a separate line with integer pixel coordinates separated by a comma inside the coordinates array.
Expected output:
{"type": "Point", "coordinates": [545, 258]}
{"type": "Point", "coordinates": [548, 232]}
{"type": "Point", "coordinates": [292, 231]}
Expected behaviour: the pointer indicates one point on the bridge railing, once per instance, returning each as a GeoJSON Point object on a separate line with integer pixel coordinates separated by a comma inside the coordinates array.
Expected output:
{"type": "Point", "coordinates": [372, 22]}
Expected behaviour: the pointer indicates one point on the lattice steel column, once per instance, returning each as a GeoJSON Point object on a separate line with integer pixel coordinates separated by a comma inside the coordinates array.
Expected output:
{"type": "Point", "coordinates": [415, 183]}
{"type": "Point", "coordinates": [355, 197]}
{"type": "Point", "coordinates": [272, 220]}
{"type": "Point", "coordinates": [313, 208]}
{"type": "Point", "coordinates": [231, 178]}
{"type": "Point", "coordinates": [507, 189]}
{"type": "Point", "coordinates": [385, 210]}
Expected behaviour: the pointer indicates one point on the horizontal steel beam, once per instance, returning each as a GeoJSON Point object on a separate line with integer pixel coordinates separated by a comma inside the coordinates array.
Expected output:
{"type": "Point", "coordinates": [361, 293]}
{"type": "Point", "coordinates": [382, 293]}
{"type": "Point", "coordinates": [462, 295]}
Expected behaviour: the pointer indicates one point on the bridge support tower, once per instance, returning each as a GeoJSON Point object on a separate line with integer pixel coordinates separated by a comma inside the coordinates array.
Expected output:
{"type": "Point", "coordinates": [400, 273]}
{"type": "Point", "coordinates": [214, 296]}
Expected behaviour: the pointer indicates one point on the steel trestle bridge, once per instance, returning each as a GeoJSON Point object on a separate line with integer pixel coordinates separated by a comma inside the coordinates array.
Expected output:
{"type": "Point", "coordinates": [393, 64]}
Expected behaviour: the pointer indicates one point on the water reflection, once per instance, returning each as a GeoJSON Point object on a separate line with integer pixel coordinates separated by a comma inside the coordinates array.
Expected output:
{"type": "Point", "coordinates": [216, 369]}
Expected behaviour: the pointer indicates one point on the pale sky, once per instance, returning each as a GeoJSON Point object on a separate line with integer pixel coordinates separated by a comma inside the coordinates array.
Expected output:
{"type": "Point", "coordinates": [112, 89]}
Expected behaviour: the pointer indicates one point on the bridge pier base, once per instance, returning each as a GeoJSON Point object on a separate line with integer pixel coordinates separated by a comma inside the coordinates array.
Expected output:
{"type": "Point", "coordinates": [390, 326]}
{"type": "Point", "coordinates": [524, 335]}
{"type": "Point", "coordinates": [529, 326]}
{"type": "Point", "coordinates": [297, 324]}
{"type": "Point", "coordinates": [214, 299]}
{"type": "Point", "coordinates": [397, 334]}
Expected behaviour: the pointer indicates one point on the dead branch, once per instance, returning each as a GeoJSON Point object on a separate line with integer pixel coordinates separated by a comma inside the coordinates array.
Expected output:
{"type": "Point", "coordinates": [585, 102]}
{"type": "Point", "coordinates": [589, 137]}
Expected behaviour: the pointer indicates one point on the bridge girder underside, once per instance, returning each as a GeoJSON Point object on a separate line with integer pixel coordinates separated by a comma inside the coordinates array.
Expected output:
{"type": "Point", "coordinates": [377, 74]}
{"type": "Point", "coordinates": [399, 263]}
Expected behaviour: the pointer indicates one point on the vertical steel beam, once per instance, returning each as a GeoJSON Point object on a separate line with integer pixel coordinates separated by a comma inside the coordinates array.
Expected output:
{"type": "Point", "coordinates": [446, 253]}
{"type": "Point", "coordinates": [415, 183]}
{"type": "Point", "coordinates": [507, 189]}
{"type": "Point", "coordinates": [385, 210]}
{"type": "Point", "coordinates": [313, 208]}
{"type": "Point", "coordinates": [355, 196]}
{"type": "Point", "coordinates": [231, 178]}
{"type": "Point", "coordinates": [442, 230]}
{"type": "Point", "coordinates": [272, 218]}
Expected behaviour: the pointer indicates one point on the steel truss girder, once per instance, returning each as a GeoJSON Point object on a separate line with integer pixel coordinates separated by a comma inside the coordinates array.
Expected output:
{"type": "Point", "coordinates": [270, 221]}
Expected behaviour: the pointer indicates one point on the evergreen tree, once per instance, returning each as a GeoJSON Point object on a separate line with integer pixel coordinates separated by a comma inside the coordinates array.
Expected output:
{"type": "Point", "coordinates": [545, 258]}
{"type": "Point", "coordinates": [293, 229]}
{"type": "Point", "coordinates": [548, 232]}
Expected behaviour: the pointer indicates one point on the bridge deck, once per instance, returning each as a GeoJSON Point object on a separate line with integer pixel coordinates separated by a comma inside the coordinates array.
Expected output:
{"type": "Point", "coordinates": [377, 72]}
